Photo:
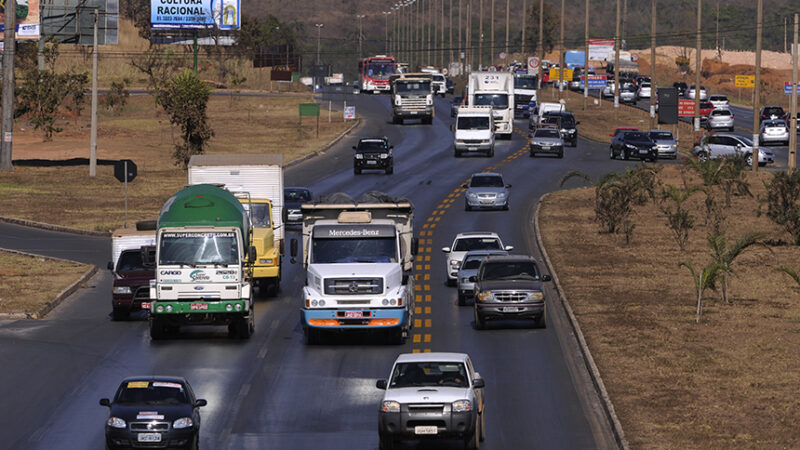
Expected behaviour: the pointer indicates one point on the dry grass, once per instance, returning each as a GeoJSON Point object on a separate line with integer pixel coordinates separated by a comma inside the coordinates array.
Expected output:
{"type": "Point", "coordinates": [28, 283]}
{"type": "Point", "coordinates": [728, 382]}
{"type": "Point", "coordinates": [67, 196]}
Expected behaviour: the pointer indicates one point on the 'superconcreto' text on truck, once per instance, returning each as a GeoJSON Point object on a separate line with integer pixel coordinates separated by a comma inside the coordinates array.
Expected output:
{"type": "Point", "coordinates": [358, 257]}
{"type": "Point", "coordinates": [495, 89]}
{"type": "Point", "coordinates": [203, 263]}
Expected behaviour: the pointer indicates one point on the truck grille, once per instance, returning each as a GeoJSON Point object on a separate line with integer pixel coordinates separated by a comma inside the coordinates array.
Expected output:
{"type": "Point", "coordinates": [414, 103]}
{"type": "Point", "coordinates": [522, 99]}
{"type": "Point", "coordinates": [510, 296]}
{"type": "Point", "coordinates": [141, 293]}
{"type": "Point", "coordinates": [426, 408]}
{"type": "Point", "coordinates": [353, 286]}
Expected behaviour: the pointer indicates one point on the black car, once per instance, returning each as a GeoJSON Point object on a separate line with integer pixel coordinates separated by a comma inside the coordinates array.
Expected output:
{"type": "Point", "coordinates": [293, 197]}
{"type": "Point", "coordinates": [131, 286]}
{"type": "Point", "coordinates": [373, 153]}
{"type": "Point", "coordinates": [773, 113]}
{"type": "Point", "coordinates": [153, 412]}
{"type": "Point", "coordinates": [457, 101]}
{"type": "Point", "coordinates": [566, 124]}
{"type": "Point", "coordinates": [681, 87]}
{"type": "Point", "coordinates": [451, 85]}
{"type": "Point", "coordinates": [634, 144]}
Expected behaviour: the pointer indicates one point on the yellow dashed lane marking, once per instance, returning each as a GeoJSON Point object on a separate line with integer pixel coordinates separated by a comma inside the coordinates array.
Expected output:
{"type": "Point", "coordinates": [417, 323]}
{"type": "Point", "coordinates": [427, 310]}
{"type": "Point", "coordinates": [427, 338]}
{"type": "Point", "coordinates": [416, 350]}
{"type": "Point", "coordinates": [418, 310]}
{"type": "Point", "coordinates": [427, 323]}
{"type": "Point", "coordinates": [427, 298]}
{"type": "Point", "coordinates": [427, 350]}
{"type": "Point", "coordinates": [417, 338]}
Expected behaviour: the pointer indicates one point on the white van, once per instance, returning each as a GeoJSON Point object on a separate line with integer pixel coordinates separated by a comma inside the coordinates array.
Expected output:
{"type": "Point", "coordinates": [544, 108]}
{"type": "Point", "coordinates": [474, 130]}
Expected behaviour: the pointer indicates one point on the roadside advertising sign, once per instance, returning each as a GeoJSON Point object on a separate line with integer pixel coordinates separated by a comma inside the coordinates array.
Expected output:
{"type": "Point", "coordinates": [349, 112]}
{"type": "Point", "coordinates": [27, 15]}
{"type": "Point", "coordinates": [178, 14]}
{"type": "Point", "coordinates": [745, 81]}
{"type": "Point", "coordinates": [309, 109]}
{"type": "Point", "coordinates": [600, 48]}
{"type": "Point", "coordinates": [595, 81]}
{"type": "Point", "coordinates": [787, 87]}
{"type": "Point", "coordinates": [685, 107]}
{"type": "Point", "coordinates": [554, 74]}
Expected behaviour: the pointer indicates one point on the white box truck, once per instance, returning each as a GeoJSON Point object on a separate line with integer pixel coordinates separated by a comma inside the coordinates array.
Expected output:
{"type": "Point", "coordinates": [495, 89]}
{"type": "Point", "coordinates": [257, 180]}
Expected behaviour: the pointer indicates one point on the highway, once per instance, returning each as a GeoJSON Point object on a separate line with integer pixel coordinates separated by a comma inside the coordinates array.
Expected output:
{"type": "Point", "coordinates": [273, 391]}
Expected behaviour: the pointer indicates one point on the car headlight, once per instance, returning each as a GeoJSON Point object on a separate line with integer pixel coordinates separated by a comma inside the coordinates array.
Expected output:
{"type": "Point", "coordinates": [359, 156]}
{"type": "Point", "coordinates": [536, 296]}
{"type": "Point", "coordinates": [462, 406]}
{"type": "Point", "coordinates": [674, 145]}
{"type": "Point", "coordinates": [384, 155]}
{"type": "Point", "coordinates": [183, 422]}
{"type": "Point", "coordinates": [472, 195]}
{"type": "Point", "coordinates": [122, 289]}
{"type": "Point", "coordinates": [429, 101]}
{"type": "Point", "coordinates": [501, 195]}
{"type": "Point", "coordinates": [116, 422]}
{"type": "Point", "coordinates": [390, 407]}
{"type": "Point", "coordinates": [485, 296]}
{"type": "Point", "coordinates": [632, 147]}
{"type": "Point", "coordinates": [453, 262]}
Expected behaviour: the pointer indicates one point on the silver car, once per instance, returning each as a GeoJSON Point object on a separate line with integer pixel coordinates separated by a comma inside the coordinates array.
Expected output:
{"type": "Point", "coordinates": [644, 90]}
{"type": "Point", "coordinates": [720, 119]}
{"type": "Point", "coordinates": [486, 190]}
{"type": "Point", "coordinates": [725, 145]}
{"type": "Point", "coordinates": [627, 95]}
{"type": "Point", "coordinates": [547, 140]}
{"type": "Point", "coordinates": [469, 267]}
{"type": "Point", "coordinates": [690, 93]}
{"type": "Point", "coordinates": [467, 242]}
{"type": "Point", "coordinates": [774, 131]}
{"type": "Point", "coordinates": [666, 143]}
{"type": "Point", "coordinates": [719, 101]}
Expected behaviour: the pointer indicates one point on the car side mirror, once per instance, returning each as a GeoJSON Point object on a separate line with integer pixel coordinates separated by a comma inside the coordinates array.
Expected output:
{"type": "Point", "coordinates": [105, 402]}
{"type": "Point", "coordinates": [293, 250]}
{"type": "Point", "coordinates": [110, 265]}
{"type": "Point", "coordinates": [252, 255]}
{"type": "Point", "coordinates": [577, 123]}
{"type": "Point", "coordinates": [508, 186]}
{"type": "Point", "coordinates": [380, 384]}
{"type": "Point", "coordinates": [508, 248]}
{"type": "Point", "coordinates": [200, 402]}
{"type": "Point", "coordinates": [478, 383]}
{"type": "Point", "coordinates": [354, 147]}
{"type": "Point", "coordinates": [473, 279]}
{"type": "Point", "coordinates": [446, 249]}
{"type": "Point", "coordinates": [547, 278]}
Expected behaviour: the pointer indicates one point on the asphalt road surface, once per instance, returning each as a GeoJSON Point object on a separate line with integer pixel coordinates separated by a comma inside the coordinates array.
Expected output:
{"type": "Point", "coordinates": [273, 391]}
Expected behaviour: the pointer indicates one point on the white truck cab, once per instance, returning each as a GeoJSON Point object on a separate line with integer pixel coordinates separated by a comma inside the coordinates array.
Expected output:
{"type": "Point", "coordinates": [495, 89]}
{"type": "Point", "coordinates": [474, 130]}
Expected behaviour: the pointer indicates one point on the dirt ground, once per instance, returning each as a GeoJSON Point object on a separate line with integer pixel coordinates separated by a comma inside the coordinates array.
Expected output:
{"type": "Point", "coordinates": [28, 283]}
{"type": "Point", "coordinates": [727, 382]}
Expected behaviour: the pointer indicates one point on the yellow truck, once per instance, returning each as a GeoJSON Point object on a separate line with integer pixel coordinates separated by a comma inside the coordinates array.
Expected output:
{"type": "Point", "coordinates": [257, 181]}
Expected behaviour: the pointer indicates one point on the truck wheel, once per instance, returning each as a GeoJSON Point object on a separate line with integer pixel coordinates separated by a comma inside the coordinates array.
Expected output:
{"type": "Point", "coordinates": [490, 153]}
{"type": "Point", "coordinates": [473, 442]}
{"type": "Point", "coordinates": [480, 322]}
{"type": "Point", "coordinates": [386, 442]}
{"type": "Point", "coordinates": [462, 299]}
{"type": "Point", "coordinates": [541, 321]}
{"type": "Point", "coordinates": [241, 328]}
{"type": "Point", "coordinates": [390, 170]}
{"type": "Point", "coordinates": [561, 154]}
{"type": "Point", "coordinates": [118, 314]}
{"type": "Point", "coordinates": [456, 153]}
{"type": "Point", "coordinates": [313, 336]}
{"type": "Point", "coordinates": [397, 121]}
{"type": "Point", "coordinates": [356, 170]}
{"type": "Point", "coordinates": [394, 336]}
{"type": "Point", "coordinates": [157, 329]}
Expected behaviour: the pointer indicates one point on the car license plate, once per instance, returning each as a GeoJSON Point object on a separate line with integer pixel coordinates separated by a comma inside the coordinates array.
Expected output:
{"type": "Point", "coordinates": [545, 147]}
{"type": "Point", "coordinates": [353, 314]}
{"type": "Point", "coordinates": [644, 152]}
{"type": "Point", "coordinates": [472, 149]}
{"type": "Point", "coordinates": [371, 162]}
{"type": "Point", "coordinates": [510, 309]}
{"type": "Point", "coordinates": [376, 92]}
{"type": "Point", "coordinates": [198, 306]}
{"type": "Point", "coordinates": [145, 305]}
{"type": "Point", "coordinates": [149, 437]}
{"type": "Point", "coordinates": [425, 429]}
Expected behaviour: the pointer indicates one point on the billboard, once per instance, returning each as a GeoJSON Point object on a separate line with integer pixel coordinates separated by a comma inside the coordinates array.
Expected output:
{"type": "Point", "coordinates": [600, 48]}
{"type": "Point", "coordinates": [180, 14]}
{"type": "Point", "coordinates": [27, 14]}
{"type": "Point", "coordinates": [72, 24]}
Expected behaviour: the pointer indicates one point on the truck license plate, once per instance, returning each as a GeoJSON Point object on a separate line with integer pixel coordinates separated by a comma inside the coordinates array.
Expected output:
{"type": "Point", "coordinates": [510, 309]}
{"type": "Point", "coordinates": [149, 437]}
{"type": "Point", "coordinates": [198, 306]}
{"type": "Point", "coordinates": [426, 429]}
{"type": "Point", "coordinates": [353, 314]}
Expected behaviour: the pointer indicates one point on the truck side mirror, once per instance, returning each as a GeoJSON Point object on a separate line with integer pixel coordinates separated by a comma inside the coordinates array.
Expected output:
{"type": "Point", "coordinates": [110, 265]}
{"type": "Point", "coordinates": [380, 384]}
{"type": "Point", "coordinates": [414, 246]}
{"type": "Point", "coordinates": [148, 255]}
{"type": "Point", "coordinates": [293, 250]}
{"type": "Point", "coordinates": [252, 255]}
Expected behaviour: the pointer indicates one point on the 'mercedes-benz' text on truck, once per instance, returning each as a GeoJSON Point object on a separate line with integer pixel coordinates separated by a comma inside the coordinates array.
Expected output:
{"type": "Point", "coordinates": [358, 257]}
{"type": "Point", "coordinates": [412, 97]}
{"type": "Point", "coordinates": [495, 89]}
{"type": "Point", "coordinates": [203, 263]}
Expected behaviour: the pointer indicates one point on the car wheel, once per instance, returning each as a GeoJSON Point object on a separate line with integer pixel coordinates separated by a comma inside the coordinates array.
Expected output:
{"type": "Point", "coordinates": [483, 425]}
{"type": "Point", "coordinates": [394, 336]}
{"type": "Point", "coordinates": [611, 153]}
{"type": "Point", "coordinates": [541, 321]}
{"type": "Point", "coordinates": [575, 142]}
{"type": "Point", "coordinates": [313, 336]}
{"type": "Point", "coordinates": [626, 155]}
{"type": "Point", "coordinates": [390, 170]}
{"type": "Point", "coordinates": [357, 171]}
{"type": "Point", "coordinates": [702, 156]}
{"type": "Point", "coordinates": [462, 299]}
{"type": "Point", "coordinates": [533, 154]}
{"type": "Point", "coordinates": [480, 321]}
{"type": "Point", "coordinates": [195, 443]}
{"type": "Point", "coordinates": [119, 314]}
{"type": "Point", "coordinates": [473, 442]}
{"type": "Point", "coordinates": [386, 442]}
{"type": "Point", "coordinates": [456, 153]}
{"type": "Point", "coordinates": [158, 330]}
{"type": "Point", "coordinates": [505, 207]}
{"type": "Point", "coordinates": [490, 153]}
{"type": "Point", "coordinates": [467, 207]}
{"type": "Point", "coordinates": [561, 154]}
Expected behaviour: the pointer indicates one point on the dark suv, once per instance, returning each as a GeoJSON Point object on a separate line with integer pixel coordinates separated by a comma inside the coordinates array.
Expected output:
{"type": "Point", "coordinates": [773, 113]}
{"type": "Point", "coordinates": [131, 285]}
{"type": "Point", "coordinates": [373, 153]}
{"type": "Point", "coordinates": [566, 124]}
{"type": "Point", "coordinates": [634, 144]}
{"type": "Point", "coordinates": [509, 286]}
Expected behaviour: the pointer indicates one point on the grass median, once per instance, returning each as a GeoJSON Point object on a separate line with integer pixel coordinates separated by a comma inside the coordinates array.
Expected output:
{"type": "Point", "coordinates": [67, 196]}
{"type": "Point", "coordinates": [28, 283]}
{"type": "Point", "coordinates": [729, 381]}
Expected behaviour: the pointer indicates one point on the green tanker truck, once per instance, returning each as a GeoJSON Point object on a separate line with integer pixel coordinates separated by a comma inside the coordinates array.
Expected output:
{"type": "Point", "coordinates": [203, 263]}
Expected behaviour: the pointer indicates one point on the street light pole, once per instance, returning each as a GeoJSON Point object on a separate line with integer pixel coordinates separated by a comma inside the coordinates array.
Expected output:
{"type": "Point", "coordinates": [653, 86]}
{"type": "Point", "coordinates": [540, 48]}
{"type": "Point", "coordinates": [360, 35]}
{"type": "Point", "coordinates": [386, 34]}
{"type": "Point", "coordinates": [698, 66]}
{"type": "Point", "coordinates": [524, 16]}
{"type": "Point", "coordinates": [561, 60]}
{"type": "Point", "coordinates": [8, 87]}
{"type": "Point", "coordinates": [508, 23]}
{"type": "Point", "coordinates": [757, 90]}
{"type": "Point", "coordinates": [319, 27]}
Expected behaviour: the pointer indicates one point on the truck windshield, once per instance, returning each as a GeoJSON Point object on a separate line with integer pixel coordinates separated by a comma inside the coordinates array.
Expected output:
{"type": "Point", "coordinates": [473, 123]}
{"type": "Point", "coordinates": [496, 101]}
{"type": "Point", "coordinates": [415, 87]}
{"type": "Point", "coordinates": [525, 83]}
{"type": "Point", "coordinates": [259, 214]}
{"type": "Point", "coordinates": [193, 248]}
{"type": "Point", "coordinates": [338, 250]}
{"type": "Point", "coordinates": [508, 271]}
{"type": "Point", "coordinates": [414, 374]}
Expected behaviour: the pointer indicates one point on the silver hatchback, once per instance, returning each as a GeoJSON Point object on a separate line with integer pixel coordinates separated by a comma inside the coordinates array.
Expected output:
{"type": "Point", "coordinates": [720, 119]}
{"type": "Point", "coordinates": [725, 145]}
{"type": "Point", "coordinates": [666, 143]}
{"type": "Point", "coordinates": [486, 190]}
{"type": "Point", "coordinates": [774, 131]}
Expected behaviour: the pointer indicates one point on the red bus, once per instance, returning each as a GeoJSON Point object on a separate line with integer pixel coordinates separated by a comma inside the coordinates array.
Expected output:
{"type": "Point", "coordinates": [374, 72]}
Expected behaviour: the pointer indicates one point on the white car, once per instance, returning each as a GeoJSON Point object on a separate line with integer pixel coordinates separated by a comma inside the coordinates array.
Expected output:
{"type": "Point", "coordinates": [608, 91]}
{"type": "Point", "coordinates": [690, 93]}
{"type": "Point", "coordinates": [774, 131]}
{"type": "Point", "coordinates": [720, 119]}
{"type": "Point", "coordinates": [719, 101]}
{"type": "Point", "coordinates": [465, 242]}
{"type": "Point", "coordinates": [431, 396]}
{"type": "Point", "coordinates": [644, 90]}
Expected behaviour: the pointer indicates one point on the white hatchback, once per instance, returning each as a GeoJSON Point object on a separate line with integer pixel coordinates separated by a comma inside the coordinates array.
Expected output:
{"type": "Point", "coordinates": [465, 242]}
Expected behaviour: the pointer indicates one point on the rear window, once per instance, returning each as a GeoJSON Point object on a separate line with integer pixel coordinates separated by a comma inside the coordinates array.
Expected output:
{"type": "Point", "coordinates": [718, 98]}
{"type": "Point", "coordinates": [720, 112]}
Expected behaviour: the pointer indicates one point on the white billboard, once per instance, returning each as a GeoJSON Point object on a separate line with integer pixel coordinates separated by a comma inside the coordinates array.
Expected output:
{"type": "Point", "coordinates": [599, 49]}
{"type": "Point", "coordinates": [178, 14]}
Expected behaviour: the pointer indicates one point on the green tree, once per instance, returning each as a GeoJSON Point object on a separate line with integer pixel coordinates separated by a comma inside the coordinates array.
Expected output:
{"type": "Point", "coordinates": [679, 220]}
{"type": "Point", "coordinates": [43, 94]}
{"type": "Point", "coordinates": [724, 256]}
{"type": "Point", "coordinates": [783, 202]}
{"type": "Point", "coordinates": [551, 26]}
{"type": "Point", "coordinates": [703, 280]}
{"type": "Point", "coordinates": [185, 98]}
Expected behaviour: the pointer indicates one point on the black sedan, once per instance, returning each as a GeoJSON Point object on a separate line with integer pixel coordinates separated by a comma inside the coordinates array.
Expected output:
{"type": "Point", "coordinates": [293, 197]}
{"type": "Point", "coordinates": [634, 144]}
{"type": "Point", "coordinates": [153, 412]}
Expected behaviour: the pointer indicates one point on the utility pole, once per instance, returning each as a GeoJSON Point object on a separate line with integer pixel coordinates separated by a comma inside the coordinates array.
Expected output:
{"type": "Point", "coordinates": [757, 90]}
{"type": "Point", "coordinates": [508, 24]}
{"type": "Point", "coordinates": [524, 15]}
{"type": "Point", "coordinates": [319, 27]}
{"type": "Point", "coordinates": [386, 32]}
{"type": "Point", "coordinates": [793, 122]}
{"type": "Point", "coordinates": [540, 50]}
{"type": "Point", "coordinates": [360, 35]}
{"type": "Point", "coordinates": [460, 40]}
{"type": "Point", "coordinates": [417, 45]}
{"type": "Point", "coordinates": [492, 49]}
{"type": "Point", "coordinates": [561, 59]}
{"type": "Point", "coordinates": [586, 59]}
{"type": "Point", "coordinates": [480, 34]}
{"type": "Point", "coordinates": [450, 30]}
{"type": "Point", "coordinates": [653, 86]}
{"type": "Point", "coordinates": [785, 20]}
{"type": "Point", "coordinates": [624, 20]}
{"type": "Point", "coordinates": [616, 67]}
{"type": "Point", "coordinates": [441, 37]}
{"type": "Point", "coordinates": [716, 34]}
{"type": "Point", "coordinates": [467, 32]}
{"type": "Point", "coordinates": [698, 67]}
{"type": "Point", "coordinates": [8, 85]}
{"type": "Point", "coordinates": [93, 134]}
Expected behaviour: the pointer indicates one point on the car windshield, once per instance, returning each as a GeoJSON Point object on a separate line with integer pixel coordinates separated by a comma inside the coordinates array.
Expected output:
{"type": "Point", "coordinates": [525, 82]}
{"type": "Point", "coordinates": [413, 87]}
{"type": "Point", "coordinates": [296, 195]}
{"type": "Point", "coordinates": [259, 214]}
{"type": "Point", "coordinates": [718, 98]}
{"type": "Point", "coordinates": [428, 373]}
{"type": "Point", "coordinates": [746, 141]}
{"type": "Point", "coordinates": [546, 133]}
{"type": "Point", "coordinates": [637, 136]}
{"type": "Point", "coordinates": [130, 260]}
{"type": "Point", "coordinates": [496, 101]}
{"type": "Point", "coordinates": [486, 181]}
{"type": "Point", "coordinates": [661, 135]}
{"type": "Point", "coordinates": [371, 146]}
{"type": "Point", "coordinates": [192, 248]}
{"type": "Point", "coordinates": [151, 393]}
{"type": "Point", "coordinates": [476, 243]}
{"type": "Point", "coordinates": [473, 123]}
{"type": "Point", "coordinates": [510, 270]}
{"type": "Point", "coordinates": [345, 250]}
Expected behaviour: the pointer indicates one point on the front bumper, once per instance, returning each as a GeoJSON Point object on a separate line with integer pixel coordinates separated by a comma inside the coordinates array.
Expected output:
{"type": "Point", "coordinates": [547, 149]}
{"type": "Point", "coordinates": [408, 114]}
{"type": "Point", "coordinates": [377, 163]}
{"type": "Point", "coordinates": [483, 146]}
{"type": "Point", "coordinates": [490, 203]}
{"type": "Point", "coordinates": [132, 302]}
{"type": "Point", "coordinates": [366, 318]}
{"type": "Point", "coordinates": [117, 438]}
{"type": "Point", "coordinates": [449, 425]}
{"type": "Point", "coordinates": [667, 152]}
{"type": "Point", "coordinates": [266, 272]}
{"type": "Point", "coordinates": [510, 310]}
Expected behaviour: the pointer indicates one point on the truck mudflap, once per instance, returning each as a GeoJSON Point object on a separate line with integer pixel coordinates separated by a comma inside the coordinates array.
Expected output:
{"type": "Point", "coordinates": [375, 318]}
{"type": "Point", "coordinates": [199, 307]}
